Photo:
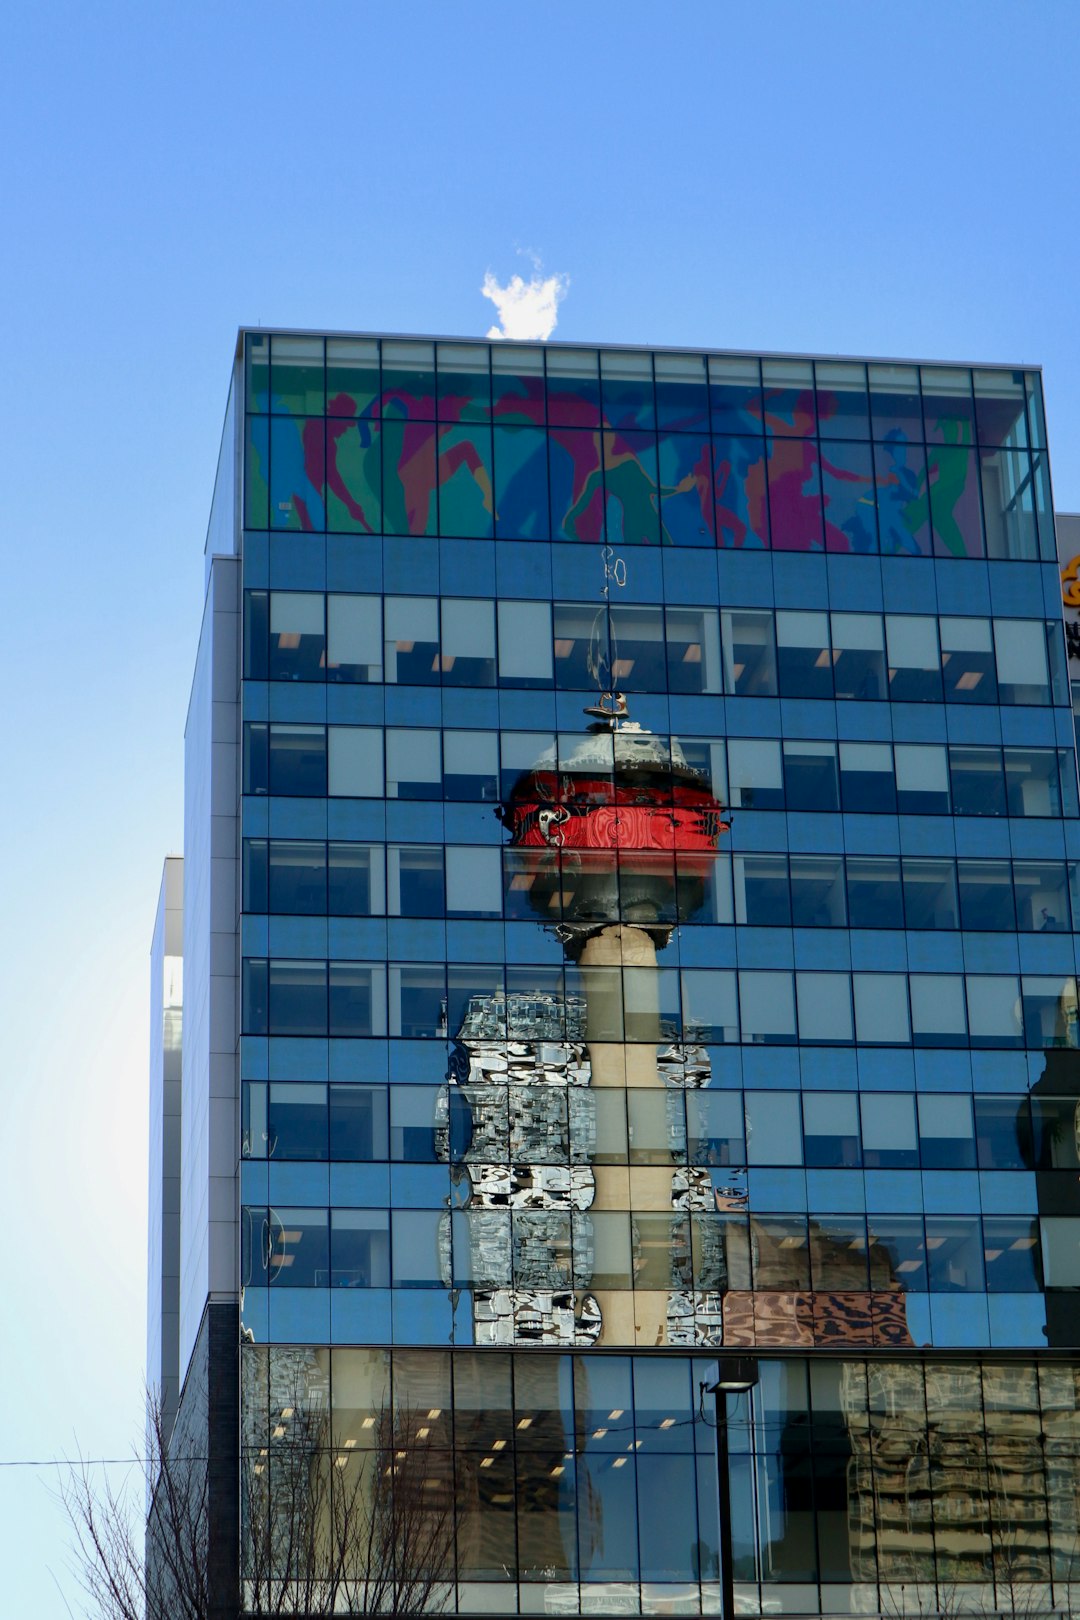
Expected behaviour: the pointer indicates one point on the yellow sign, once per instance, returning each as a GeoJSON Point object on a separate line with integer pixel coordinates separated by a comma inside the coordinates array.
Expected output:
{"type": "Point", "coordinates": [1070, 583]}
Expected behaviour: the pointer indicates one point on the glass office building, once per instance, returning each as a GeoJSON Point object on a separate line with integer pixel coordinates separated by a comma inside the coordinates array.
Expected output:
{"type": "Point", "coordinates": [629, 900]}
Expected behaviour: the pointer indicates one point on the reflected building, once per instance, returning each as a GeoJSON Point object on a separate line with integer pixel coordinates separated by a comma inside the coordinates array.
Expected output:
{"type": "Point", "coordinates": [629, 918]}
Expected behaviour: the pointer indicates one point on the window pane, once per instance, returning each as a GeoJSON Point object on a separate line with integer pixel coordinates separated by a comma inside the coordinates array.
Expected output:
{"type": "Point", "coordinates": [967, 655]}
{"type": "Point", "coordinates": [858, 656]}
{"type": "Point", "coordinates": [693, 650]}
{"type": "Point", "coordinates": [761, 890]}
{"type": "Point", "coordinates": [735, 394]}
{"type": "Point", "coordinates": [357, 999]}
{"type": "Point", "coordinates": [355, 762]}
{"type": "Point", "coordinates": [682, 392]}
{"type": "Point", "coordinates": [831, 1128]}
{"type": "Point", "coordinates": [638, 652]}
{"type": "Point", "coordinates": [473, 881]}
{"type": "Point", "coordinates": [888, 1129]}
{"type": "Point", "coordinates": [414, 1112]}
{"type": "Point", "coordinates": [687, 510]}
{"type": "Point", "coordinates": [471, 765]}
{"type": "Point", "coordinates": [358, 1123]}
{"type": "Point", "coordinates": [874, 895]}
{"type": "Point", "coordinates": [297, 998]}
{"type": "Point", "coordinates": [937, 1009]}
{"type": "Point", "coordinates": [411, 639]}
{"type": "Point", "coordinates": [525, 651]}
{"type": "Point", "coordinates": [299, 1248]}
{"type": "Point", "coordinates": [922, 779]}
{"type": "Point", "coordinates": [297, 877]}
{"type": "Point", "coordinates": [413, 763]}
{"type": "Point", "coordinates": [354, 638]}
{"type": "Point", "coordinates": [1049, 1012]}
{"type": "Point", "coordinates": [1003, 1131]}
{"type": "Point", "coordinates": [803, 655]}
{"type": "Point", "coordinates": [714, 1127]}
{"type": "Point", "coordinates": [946, 1132]}
{"type": "Point", "coordinates": [1056, 1125]}
{"type": "Point", "coordinates": [1012, 1255]}
{"type": "Point", "coordinates": [749, 654]}
{"type": "Point", "coordinates": [930, 894]}
{"type": "Point", "coordinates": [464, 382]}
{"type": "Point", "coordinates": [914, 659]}
{"type": "Point", "coordinates": [817, 891]}
{"type": "Point", "coordinates": [1020, 651]}
{"type": "Point", "coordinates": [843, 405]}
{"type": "Point", "coordinates": [297, 644]}
{"type": "Point", "coordinates": [894, 402]}
{"type": "Point", "coordinates": [414, 881]}
{"type": "Point", "coordinates": [999, 408]}
{"type": "Point", "coordinates": [352, 377]}
{"type": "Point", "coordinates": [986, 895]}
{"type": "Point", "coordinates": [1031, 780]}
{"type": "Point", "coordinates": [1009, 504]}
{"type": "Point", "coordinates": [953, 479]}
{"type": "Point", "coordinates": [357, 886]}
{"type": "Point", "coordinates": [955, 1253]}
{"type": "Point", "coordinates": [881, 1008]}
{"type": "Point", "coordinates": [298, 760]}
{"type": "Point", "coordinates": [810, 780]}
{"type": "Point", "coordinates": [521, 482]}
{"type": "Point", "coordinates": [416, 1259]}
{"type": "Point", "coordinates": [1042, 900]}
{"type": "Point", "coordinates": [849, 495]}
{"type": "Point", "coordinates": [824, 1007]}
{"type": "Point", "coordinates": [297, 1122]}
{"type": "Point", "coordinates": [755, 774]}
{"type": "Point", "coordinates": [903, 503]}
{"type": "Point", "coordinates": [468, 642]}
{"type": "Point", "coordinates": [710, 1011]}
{"type": "Point", "coordinates": [773, 1127]}
{"type": "Point", "coordinates": [360, 1248]}
{"type": "Point", "coordinates": [994, 1010]}
{"type": "Point", "coordinates": [978, 787]}
{"type": "Point", "coordinates": [767, 1008]}
{"type": "Point", "coordinates": [739, 479]}
{"type": "Point", "coordinates": [867, 782]}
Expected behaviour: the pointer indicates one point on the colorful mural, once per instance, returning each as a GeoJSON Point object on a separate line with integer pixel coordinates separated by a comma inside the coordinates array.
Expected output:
{"type": "Point", "coordinates": [521, 443]}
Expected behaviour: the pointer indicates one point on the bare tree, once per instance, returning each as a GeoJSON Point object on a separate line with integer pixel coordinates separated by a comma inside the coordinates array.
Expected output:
{"type": "Point", "coordinates": [324, 1531]}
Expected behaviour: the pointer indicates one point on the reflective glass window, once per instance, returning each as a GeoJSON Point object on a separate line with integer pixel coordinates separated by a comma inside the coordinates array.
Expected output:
{"type": "Point", "coordinates": [843, 404]}
{"type": "Point", "coordinates": [888, 1130]}
{"type": "Point", "coordinates": [1009, 504]}
{"type": "Point", "coordinates": [709, 1005]}
{"type": "Point", "coordinates": [416, 1259]}
{"type": "Point", "coordinates": [357, 1004]}
{"type": "Point", "coordinates": [930, 894]}
{"type": "Point", "coordinates": [359, 1248]}
{"type": "Point", "coordinates": [1061, 1252]}
{"type": "Point", "coordinates": [735, 393]}
{"type": "Point", "coordinates": [299, 1248]}
{"type": "Point", "coordinates": [256, 635]}
{"type": "Point", "coordinates": [1012, 1254]}
{"type": "Point", "coordinates": [704, 897]}
{"type": "Point", "coordinates": [749, 654]}
{"type": "Point", "coordinates": [994, 1017]}
{"type": "Point", "coordinates": [353, 638]}
{"type": "Point", "coordinates": [467, 642]}
{"type": "Point", "coordinates": [573, 387]}
{"type": "Point", "coordinates": [464, 391]}
{"type": "Point", "coordinates": [740, 482]}
{"type": "Point", "coordinates": [903, 498]}
{"type": "Point", "coordinates": [831, 1128]}
{"type": "Point", "coordinates": [358, 1122]}
{"type": "Point", "coordinates": [626, 386]}
{"type": "Point", "coordinates": [858, 656]}
{"type": "Point", "coordinates": [297, 998]}
{"type": "Point", "coordinates": [803, 654]}
{"type": "Point", "coordinates": [781, 1254]}
{"type": "Point", "coordinates": [1042, 897]}
{"type": "Point", "coordinates": [955, 1253]}
{"type": "Point", "coordinates": [693, 650]}
{"type": "Point", "coordinates": [767, 1008]}
{"type": "Point", "coordinates": [881, 1008]}
{"type": "Point", "coordinates": [298, 760]}
{"type": "Point", "coordinates": [257, 372]}
{"type": "Point", "coordinates": [1049, 1012]}
{"type": "Point", "coordinates": [411, 639]}
{"type": "Point", "coordinates": [817, 891]}
{"type": "Point", "coordinates": [413, 763]}
{"type": "Point", "coordinates": [297, 641]}
{"type": "Point", "coordinates": [788, 387]}
{"type": "Point", "coordinates": [687, 510]}
{"type": "Point", "coordinates": [297, 1127]}
{"type": "Point", "coordinates": [525, 649]}
{"type": "Point", "coordinates": [1032, 784]}
{"type": "Point", "coordinates": [414, 1113]}
{"type": "Point", "coordinates": [898, 1252]}
{"type": "Point", "coordinates": [948, 405]}
{"type": "Point", "coordinates": [254, 1123]}
{"type": "Point", "coordinates": [978, 786]}
{"type": "Point", "coordinates": [297, 877]}
{"type": "Point", "coordinates": [1003, 1133]}
{"type": "Point", "coordinates": [848, 489]}
{"type": "Point", "coordinates": [414, 880]}
{"type": "Point", "coordinates": [914, 658]}
{"type": "Point", "coordinates": [254, 1000]}
{"type": "Point", "coordinates": [682, 392]}
{"type": "Point", "coordinates": [297, 377]}
{"type": "Point", "coordinates": [355, 762]}
{"type": "Point", "coordinates": [1056, 1124]}
{"type": "Point", "coordinates": [967, 656]}
{"type": "Point", "coordinates": [761, 890]}
{"type": "Point", "coordinates": [473, 881]}
{"type": "Point", "coordinates": [1023, 674]}
{"type": "Point", "coordinates": [715, 1131]}
{"type": "Point", "coordinates": [867, 779]}
{"type": "Point", "coordinates": [824, 1008]}
{"type": "Point", "coordinates": [937, 1009]}
{"type": "Point", "coordinates": [408, 379]}
{"type": "Point", "coordinates": [986, 895]}
{"type": "Point", "coordinates": [356, 884]}
{"type": "Point", "coordinates": [810, 780]}
{"type": "Point", "coordinates": [922, 779]}
{"type": "Point", "coordinates": [895, 408]}
{"type": "Point", "coordinates": [999, 408]}
{"type": "Point", "coordinates": [471, 765]}
{"type": "Point", "coordinates": [874, 893]}
{"type": "Point", "coordinates": [946, 1131]}
{"type": "Point", "coordinates": [838, 1260]}
{"type": "Point", "coordinates": [256, 860]}
{"type": "Point", "coordinates": [638, 652]}
{"type": "Point", "coordinates": [521, 477]}
{"type": "Point", "coordinates": [352, 377]}
{"type": "Point", "coordinates": [754, 768]}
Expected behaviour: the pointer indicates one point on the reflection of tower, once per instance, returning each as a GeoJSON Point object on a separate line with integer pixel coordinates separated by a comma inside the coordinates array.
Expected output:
{"type": "Point", "coordinates": [614, 838]}
{"type": "Point", "coordinates": [1051, 1147]}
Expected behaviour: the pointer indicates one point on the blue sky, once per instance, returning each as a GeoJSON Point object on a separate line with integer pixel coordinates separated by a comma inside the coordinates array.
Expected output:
{"type": "Point", "coordinates": [838, 177]}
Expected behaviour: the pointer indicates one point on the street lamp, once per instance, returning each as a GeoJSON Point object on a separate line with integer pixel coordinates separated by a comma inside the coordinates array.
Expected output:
{"type": "Point", "coordinates": [736, 1375]}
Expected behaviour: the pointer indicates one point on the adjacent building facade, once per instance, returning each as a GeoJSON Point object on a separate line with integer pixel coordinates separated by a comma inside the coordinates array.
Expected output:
{"type": "Point", "coordinates": [628, 921]}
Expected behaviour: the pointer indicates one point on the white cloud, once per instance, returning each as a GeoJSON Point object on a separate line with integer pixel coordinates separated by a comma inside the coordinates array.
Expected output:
{"type": "Point", "coordinates": [528, 310]}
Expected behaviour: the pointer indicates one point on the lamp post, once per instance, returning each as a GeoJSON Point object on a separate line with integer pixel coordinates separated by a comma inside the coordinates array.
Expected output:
{"type": "Point", "coordinates": [736, 1375]}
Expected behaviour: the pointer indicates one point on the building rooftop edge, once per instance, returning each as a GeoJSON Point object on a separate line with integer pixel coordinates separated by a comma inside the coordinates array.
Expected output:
{"type": "Point", "coordinates": [629, 348]}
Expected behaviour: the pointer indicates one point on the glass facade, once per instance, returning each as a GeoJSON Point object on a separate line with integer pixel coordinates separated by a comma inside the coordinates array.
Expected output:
{"type": "Point", "coordinates": [659, 847]}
